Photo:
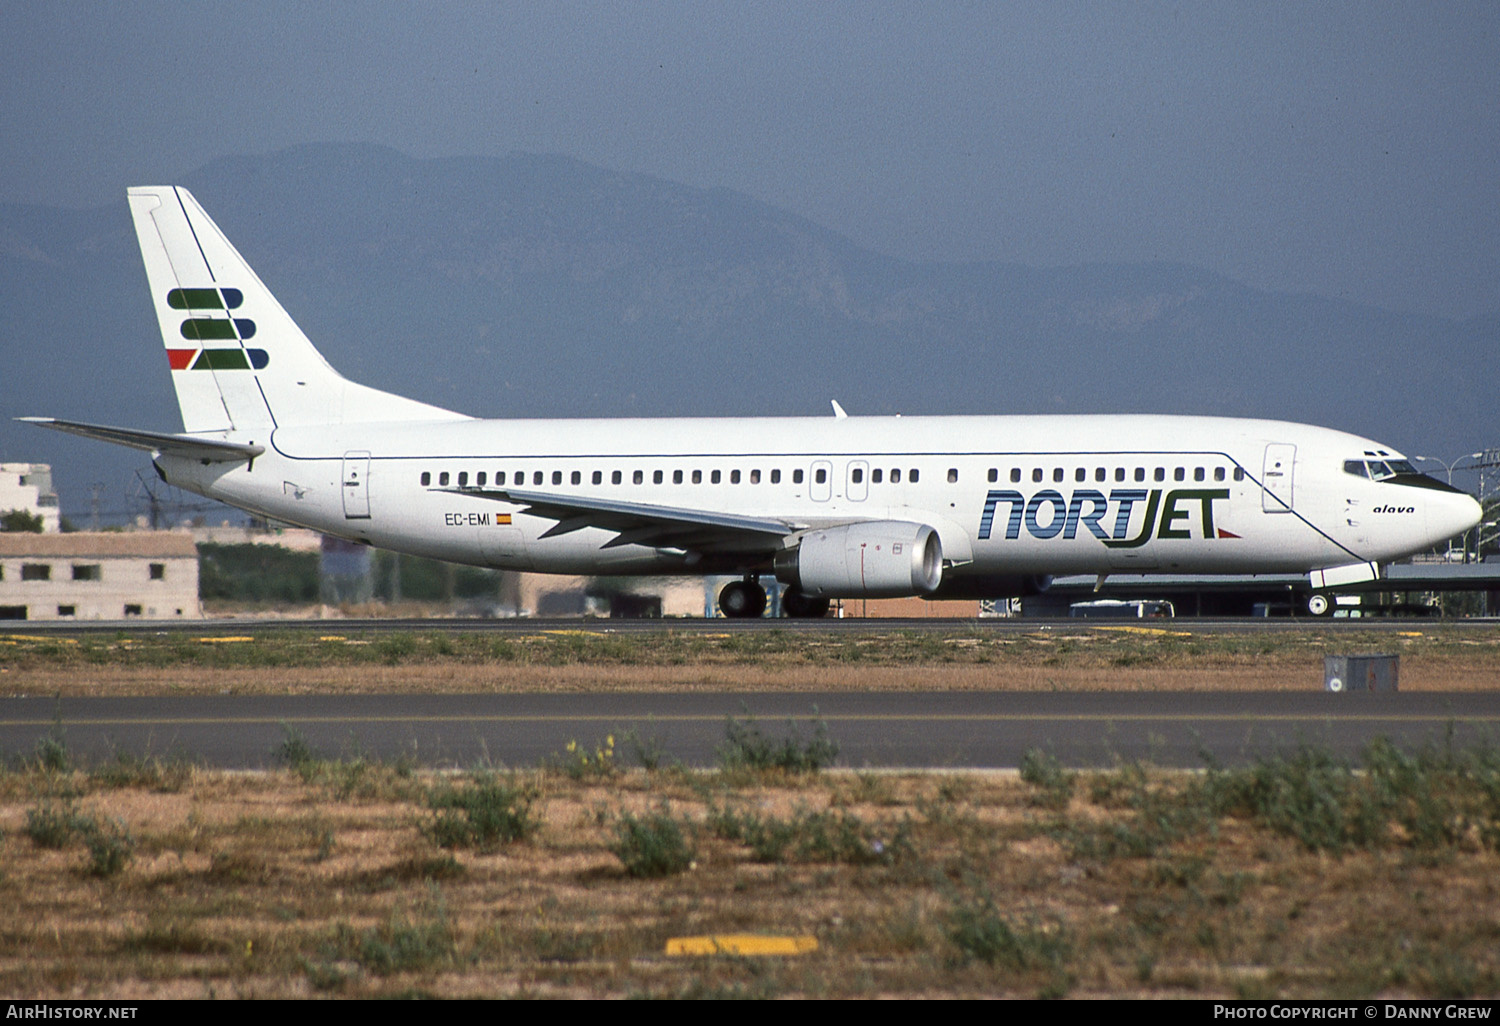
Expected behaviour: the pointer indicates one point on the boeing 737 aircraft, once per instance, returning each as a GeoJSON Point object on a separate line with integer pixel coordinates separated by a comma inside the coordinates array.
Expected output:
{"type": "Point", "coordinates": [833, 507]}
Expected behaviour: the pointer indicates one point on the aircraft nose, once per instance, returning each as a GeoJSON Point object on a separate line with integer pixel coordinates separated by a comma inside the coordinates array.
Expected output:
{"type": "Point", "coordinates": [1452, 516]}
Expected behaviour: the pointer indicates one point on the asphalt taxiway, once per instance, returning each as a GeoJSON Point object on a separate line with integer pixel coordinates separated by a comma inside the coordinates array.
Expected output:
{"type": "Point", "coordinates": [957, 730]}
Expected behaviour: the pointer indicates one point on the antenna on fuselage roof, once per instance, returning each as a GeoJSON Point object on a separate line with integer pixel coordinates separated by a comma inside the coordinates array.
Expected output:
{"type": "Point", "coordinates": [838, 411]}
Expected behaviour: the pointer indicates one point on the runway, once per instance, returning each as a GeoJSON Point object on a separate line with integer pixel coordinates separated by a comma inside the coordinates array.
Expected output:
{"type": "Point", "coordinates": [947, 730]}
{"type": "Point", "coordinates": [999, 626]}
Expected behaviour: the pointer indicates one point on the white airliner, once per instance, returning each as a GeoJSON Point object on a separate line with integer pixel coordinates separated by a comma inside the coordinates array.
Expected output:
{"type": "Point", "coordinates": [833, 507]}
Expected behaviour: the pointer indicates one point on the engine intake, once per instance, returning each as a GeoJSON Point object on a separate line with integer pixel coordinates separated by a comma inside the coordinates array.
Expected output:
{"type": "Point", "coordinates": [879, 559]}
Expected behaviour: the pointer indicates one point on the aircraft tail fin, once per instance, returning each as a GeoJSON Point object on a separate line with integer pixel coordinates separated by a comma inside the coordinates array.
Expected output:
{"type": "Point", "coordinates": [239, 362]}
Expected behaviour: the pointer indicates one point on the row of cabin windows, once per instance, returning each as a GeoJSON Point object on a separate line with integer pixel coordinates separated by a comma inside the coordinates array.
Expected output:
{"type": "Point", "coordinates": [538, 477]}
{"type": "Point", "coordinates": [1102, 474]}
{"type": "Point", "coordinates": [878, 475]}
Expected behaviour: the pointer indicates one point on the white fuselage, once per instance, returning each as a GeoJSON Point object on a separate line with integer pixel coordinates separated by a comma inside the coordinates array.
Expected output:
{"type": "Point", "coordinates": [1006, 495]}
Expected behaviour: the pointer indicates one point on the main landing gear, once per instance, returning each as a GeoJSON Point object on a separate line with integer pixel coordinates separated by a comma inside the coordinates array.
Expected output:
{"type": "Point", "coordinates": [746, 600]}
{"type": "Point", "coordinates": [742, 600]}
{"type": "Point", "coordinates": [803, 607]}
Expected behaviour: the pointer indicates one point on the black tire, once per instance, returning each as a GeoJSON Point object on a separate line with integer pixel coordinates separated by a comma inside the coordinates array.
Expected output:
{"type": "Point", "coordinates": [803, 607]}
{"type": "Point", "coordinates": [742, 600]}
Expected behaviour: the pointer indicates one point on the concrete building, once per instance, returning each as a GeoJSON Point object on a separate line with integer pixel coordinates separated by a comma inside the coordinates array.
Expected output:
{"type": "Point", "coordinates": [28, 486]}
{"type": "Point", "coordinates": [103, 576]}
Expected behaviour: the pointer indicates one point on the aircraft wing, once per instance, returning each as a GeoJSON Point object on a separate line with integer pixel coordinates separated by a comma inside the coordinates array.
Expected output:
{"type": "Point", "coordinates": [209, 450]}
{"type": "Point", "coordinates": [639, 523]}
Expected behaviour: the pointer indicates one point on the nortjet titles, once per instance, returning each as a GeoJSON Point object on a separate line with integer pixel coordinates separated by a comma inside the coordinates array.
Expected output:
{"type": "Point", "coordinates": [1047, 514]}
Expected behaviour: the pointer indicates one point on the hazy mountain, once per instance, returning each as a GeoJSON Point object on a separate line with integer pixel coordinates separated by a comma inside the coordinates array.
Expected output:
{"type": "Point", "coordinates": [542, 286]}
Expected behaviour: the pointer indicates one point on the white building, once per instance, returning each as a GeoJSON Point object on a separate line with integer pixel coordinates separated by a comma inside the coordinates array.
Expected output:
{"type": "Point", "coordinates": [104, 576]}
{"type": "Point", "coordinates": [28, 486]}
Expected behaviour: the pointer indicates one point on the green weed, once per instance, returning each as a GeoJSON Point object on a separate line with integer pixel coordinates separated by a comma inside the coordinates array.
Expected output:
{"type": "Point", "coordinates": [746, 746]}
{"type": "Point", "coordinates": [656, 844]}
{"type": "Point", "coordinates": [484, 813]}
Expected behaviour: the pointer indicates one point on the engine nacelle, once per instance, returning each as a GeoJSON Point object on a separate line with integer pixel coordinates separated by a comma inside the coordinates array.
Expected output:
{"type": "Point", "coordinates": [880, 559]}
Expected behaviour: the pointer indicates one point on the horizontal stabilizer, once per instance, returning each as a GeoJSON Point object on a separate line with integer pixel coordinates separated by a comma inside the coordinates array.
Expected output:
{"type": "Point", "coordinates": [209, 450]}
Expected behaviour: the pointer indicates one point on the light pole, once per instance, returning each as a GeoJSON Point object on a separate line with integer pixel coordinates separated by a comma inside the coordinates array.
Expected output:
{"type": "Point", "coordinates": [1457, 460]}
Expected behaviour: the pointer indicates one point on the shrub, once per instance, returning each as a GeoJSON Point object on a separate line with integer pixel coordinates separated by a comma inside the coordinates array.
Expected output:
{"type": "Point", "coordinates": [110, 847]}
{"type": "Point", "coordinates": [485, 814]}
{"type": "Point", "coordinates": [746, 746]}
{"type": "Point", "coordinates": [1046, 774]}
{"type": "Point", "coordinates": [653, 845]}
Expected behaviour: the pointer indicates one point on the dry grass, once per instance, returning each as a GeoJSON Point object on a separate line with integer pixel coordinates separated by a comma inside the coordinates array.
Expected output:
{"type": "Point", "coordinates": [1433, 658]}
{"type": "Point", "coordinates": [1131, 882]}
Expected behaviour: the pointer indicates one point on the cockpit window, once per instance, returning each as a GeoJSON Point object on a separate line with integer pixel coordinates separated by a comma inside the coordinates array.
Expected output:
{"type": "Point", "coordinates": [1379, 470]}
{"type": "Point", "coordinates": [1399, 472]}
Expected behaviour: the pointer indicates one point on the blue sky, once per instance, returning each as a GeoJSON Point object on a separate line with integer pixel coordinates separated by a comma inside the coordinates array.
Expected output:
{"type": "Point", "coordinates": [1350, 150]}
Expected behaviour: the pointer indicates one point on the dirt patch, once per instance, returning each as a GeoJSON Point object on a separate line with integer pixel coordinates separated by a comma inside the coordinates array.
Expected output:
{"type": "Point", "coordinates": [335, 880]}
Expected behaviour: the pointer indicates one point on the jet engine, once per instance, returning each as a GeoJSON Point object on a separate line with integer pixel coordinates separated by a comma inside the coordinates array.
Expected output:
{"type": "Point", "coordinates": [878, 559]}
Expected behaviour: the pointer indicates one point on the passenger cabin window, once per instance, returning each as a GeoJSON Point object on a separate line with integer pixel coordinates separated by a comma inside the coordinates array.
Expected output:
{"type": "Point", "coordinates": [1140, 473]}
{"type": "Point", "coordinates": [427, 478]}
{"type": "Point", "coordinates": [1036, 475]}
{"type": "Point", "coordinates": [952, 475]}
{"type": "Point", "coordinates": [656, 477]}
{"type": "Point", "coordinates": [597, 477]}
{"type": "Point", "coordinates": [1080, 474]}
{"type": "Point", "coordinates": [776, 476]}
{"type": "Point", "coordinates": [1179, 474]}
{"type": "Point", "coordinates": [1161, 474]}
{"type": "Point", "coordinates": [463, 478]}
{"type": "Point", "coordinates": [443, 479]}
{"type": "Point", "coordinates": [1239, 473]}
{"type": "Point", "coordinates": [994, 475]}
{"type": "Point", "coordinates": [1015, 475]}
{"type": "Point", "coordinates": [797, 477]}
{"type": "Point", "coordinates": [713, 477]}
{"type": "Point", "coordinates": [1198, 474]}
{"type": "Point", "coordinates": [856, 475]}
{"type": "Point", "coordinates": [821, 475]}
{"type": "Point", "coordinates": [912, 475]}
{"type": "Point", "coordinates": [895, 475]}
{"type": "Point", "coordinates": [577, 477]}
{"type": "Point", "coordinates": [877, 475]}
{"type": "Point", "coordinates": [536, 477]}
{"type": "Point", "coordinates": [1119, 473]}
{"type": "Point", "coordinates": [480, 478]}
{"type": "Point", "coordinates": [614, 478]}
{"type": "Point", "coordinates": [1100, 474]}
{"type": "Point", "coordinates": [697, 477]}
{"type": "Point", "coordinates": [1057, 474]}
{"type": "Point", "coordinates": [755, 477]}
{"type": "Point", "coordinates": [638, 477]}
{"type": "Point", "coordinates": [499, 477]}
{"type": "Point", "coordinates": [734, 477]}
{"type": "Point", "coordinates": [677, 477]}
{"type": "Point", "coordinates": [1218, 473]}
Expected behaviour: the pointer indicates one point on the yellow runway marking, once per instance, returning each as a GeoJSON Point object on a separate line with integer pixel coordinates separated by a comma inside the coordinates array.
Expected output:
{"type": "Point", "coordinates": [741, 944]}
